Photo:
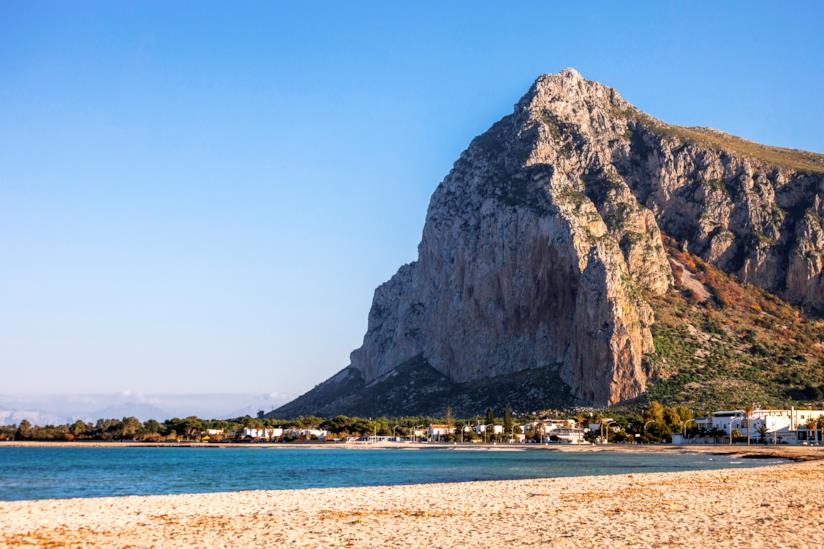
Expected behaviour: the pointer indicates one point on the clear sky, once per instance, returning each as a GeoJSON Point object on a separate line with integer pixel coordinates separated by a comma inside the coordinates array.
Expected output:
{"type": "Point", "coordinates": [202, 196]}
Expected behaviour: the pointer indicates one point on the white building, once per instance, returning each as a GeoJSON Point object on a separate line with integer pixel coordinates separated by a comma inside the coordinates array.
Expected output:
{"type": "Point", "coordinates": [438, 430]}
{"type": "Point", "coordinates": [547, 425]}
{"type": "Point", "coordinates": [597, 426]}
{"type": "Point", "coordinates": [780, 424]}
{"type": "Point", "coordinates": [267, 433]}
{"type": "Point", "coordinates": [570, 436]}
{"type": "Point", "coordinates": [549, 430]}
{"type": "Point", "coordinates": [319, 434]}
{"type": "Point", "coordinates": [494, 429]}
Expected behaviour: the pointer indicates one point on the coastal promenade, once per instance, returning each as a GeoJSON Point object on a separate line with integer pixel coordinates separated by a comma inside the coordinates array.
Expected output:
{"type": "Point", "coordinates": [773, 506]}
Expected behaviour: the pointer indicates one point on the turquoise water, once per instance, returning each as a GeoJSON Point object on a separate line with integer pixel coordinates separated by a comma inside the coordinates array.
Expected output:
{"type": "Point", "coordinates": [43, 473]}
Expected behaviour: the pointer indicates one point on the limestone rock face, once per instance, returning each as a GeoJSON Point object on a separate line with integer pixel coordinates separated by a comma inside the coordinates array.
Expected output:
{"type": "Point", "coordinates": [534, 253]}
{"type": "Point", "coordinates": [542, 242]}
{"type": "Point", "coordinates": [751, 210]}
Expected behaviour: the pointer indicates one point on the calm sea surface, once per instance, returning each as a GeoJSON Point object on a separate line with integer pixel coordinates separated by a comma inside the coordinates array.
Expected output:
{"type": "Point", "coordinates": [42, 473]}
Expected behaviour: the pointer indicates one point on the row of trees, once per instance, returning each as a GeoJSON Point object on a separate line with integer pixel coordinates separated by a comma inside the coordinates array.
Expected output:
{"type": "Point", "coordinates": [194, 428]}
{"type": "Point", "coordinates": [655, 423]}
{"type": "Point", "coordinates": [127, 428]}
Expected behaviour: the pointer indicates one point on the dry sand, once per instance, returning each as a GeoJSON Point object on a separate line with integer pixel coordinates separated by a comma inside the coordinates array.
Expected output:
{"type": "Point", "coordinates": [774, 506]}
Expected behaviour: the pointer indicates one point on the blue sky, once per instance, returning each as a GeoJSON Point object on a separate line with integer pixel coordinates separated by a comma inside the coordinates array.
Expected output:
{"type": "Point", "coordinates": [201, 197]}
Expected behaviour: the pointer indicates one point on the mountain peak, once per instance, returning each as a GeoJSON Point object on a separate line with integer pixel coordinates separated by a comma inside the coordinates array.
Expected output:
{"type": "Point", "coordinates": [570, 72]}
{"type": "Point", "coordinates": [570, 96]}
{"type": "Point", "coordinates": [544, 247]}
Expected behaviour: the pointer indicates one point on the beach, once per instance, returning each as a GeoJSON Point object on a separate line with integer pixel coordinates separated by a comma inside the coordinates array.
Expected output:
{"type": "Point", "coordinates": [755, 507]}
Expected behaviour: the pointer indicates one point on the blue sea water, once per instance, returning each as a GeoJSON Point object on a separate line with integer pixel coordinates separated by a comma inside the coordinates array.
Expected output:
{"type": "Point", "coordinates": [62, 472]}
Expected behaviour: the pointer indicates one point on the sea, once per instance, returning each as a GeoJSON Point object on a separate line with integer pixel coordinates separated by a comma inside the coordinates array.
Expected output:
{"type": "Point", "coordinates": [28, 473]}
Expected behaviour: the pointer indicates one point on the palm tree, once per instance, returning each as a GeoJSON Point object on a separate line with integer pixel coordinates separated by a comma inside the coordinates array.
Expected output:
{"type": "Point", "coordinates": [762, 431]}
{"type": "Point", "coordinates": [821, 427]}
{"type": "Point", "coordinates": [747, 415]}
{"type": "Point", "coordinates": [811, 425]}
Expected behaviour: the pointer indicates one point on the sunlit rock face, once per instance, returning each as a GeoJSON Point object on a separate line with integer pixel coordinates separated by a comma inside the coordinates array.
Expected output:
{"type": "Point", "coordinates": [542, 243]}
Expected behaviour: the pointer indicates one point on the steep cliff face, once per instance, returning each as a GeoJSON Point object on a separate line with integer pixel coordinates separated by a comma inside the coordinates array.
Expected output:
{"type": "Point", "coordinates": [750, 210]}
{"type": "Point", "coordinates": [532, 254]}
{"type": "Point", "coordinates": [543, 244]}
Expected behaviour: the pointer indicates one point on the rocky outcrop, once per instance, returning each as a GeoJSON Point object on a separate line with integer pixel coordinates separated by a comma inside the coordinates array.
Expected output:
{"type": "Point", "coordinates": [751, 210]}
{"type": "Point", "coordinates": [543, 242]}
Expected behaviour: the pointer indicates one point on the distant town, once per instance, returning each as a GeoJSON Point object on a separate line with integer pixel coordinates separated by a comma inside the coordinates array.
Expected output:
{"type": "Point", "coordinates": [656, 424]}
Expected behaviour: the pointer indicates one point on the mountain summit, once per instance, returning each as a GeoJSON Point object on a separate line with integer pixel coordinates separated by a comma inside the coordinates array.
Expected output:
{"type": "Point", "coordinates": [548, 242]}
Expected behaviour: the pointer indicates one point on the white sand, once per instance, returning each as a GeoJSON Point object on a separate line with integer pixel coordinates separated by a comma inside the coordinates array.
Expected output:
{"type": "Point", "coordinates": [775, 506]}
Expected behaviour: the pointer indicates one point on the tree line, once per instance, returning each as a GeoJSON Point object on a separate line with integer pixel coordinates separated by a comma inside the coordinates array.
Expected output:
{"type": "Point", "coordinates": [655, 423]}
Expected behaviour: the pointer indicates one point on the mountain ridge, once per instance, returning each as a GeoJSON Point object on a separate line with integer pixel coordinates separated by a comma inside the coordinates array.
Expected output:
{"type": "Point", "coordinates": [545, 243]}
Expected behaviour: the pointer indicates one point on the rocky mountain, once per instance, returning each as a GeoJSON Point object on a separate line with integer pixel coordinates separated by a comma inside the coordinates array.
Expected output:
{"type": "Point", "coordinates": [544, 250]}
{"type": "Point", "coordinates": [721, 342]}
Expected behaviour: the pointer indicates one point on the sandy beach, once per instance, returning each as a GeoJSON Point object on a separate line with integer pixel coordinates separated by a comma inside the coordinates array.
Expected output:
{"type": "Point", "coordinates": [773, 506]}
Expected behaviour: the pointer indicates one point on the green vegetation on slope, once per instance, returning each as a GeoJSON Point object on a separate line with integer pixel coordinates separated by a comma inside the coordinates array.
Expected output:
{"type": "Point", "coordinates": [796, 159]}
{"type": "Point", "coordinates": [416, 388]}
{"type": "Point", "coordinates": [803, 161]}
{"type": "Point", "coordinates": [741, 346]}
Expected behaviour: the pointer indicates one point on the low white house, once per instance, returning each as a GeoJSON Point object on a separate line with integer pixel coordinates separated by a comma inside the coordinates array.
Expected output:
{"type": "Point", "coordinates": [597, 426]}
{"type": "Point", "coordinates": [780, 424]}
{"type": "Point", "coordinates": [267, 433]}
{"type": "Point", "coordinates": [570, 435]}
{"type": "Point", "coordinates": [438, 430]}
{"type": "Point", "coordinates": [560, 423]}
{"type": "Point", "coordinates": [319, 434]}
{"type": "Point", "coordinates": [549, 428]}
{"type": "Point", "coordinates": [494, 429]}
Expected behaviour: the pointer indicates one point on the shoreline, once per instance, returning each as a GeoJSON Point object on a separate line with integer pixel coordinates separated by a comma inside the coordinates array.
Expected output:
{"type": "Point", "coordinates": [751, 507]}
{"type": "Point", "coordinates": [754, 451]}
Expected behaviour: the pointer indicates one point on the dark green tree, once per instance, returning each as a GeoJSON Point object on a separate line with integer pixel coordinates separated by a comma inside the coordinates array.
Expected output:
{"type": "Point", "coordinates": [129, 427]}
{"type": "Point", "coordinates": [490, 417]}
{"type": "Point", "coordinates": [153, 426]}
{"type": "Point", "coordinates": [654, 412]}
{"type": "Point", "coordinates": [24, 429]}
{"type": "Point", "coordinates": [508, 422]}
{"type": "Point", "coordinates": [79, 428]}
